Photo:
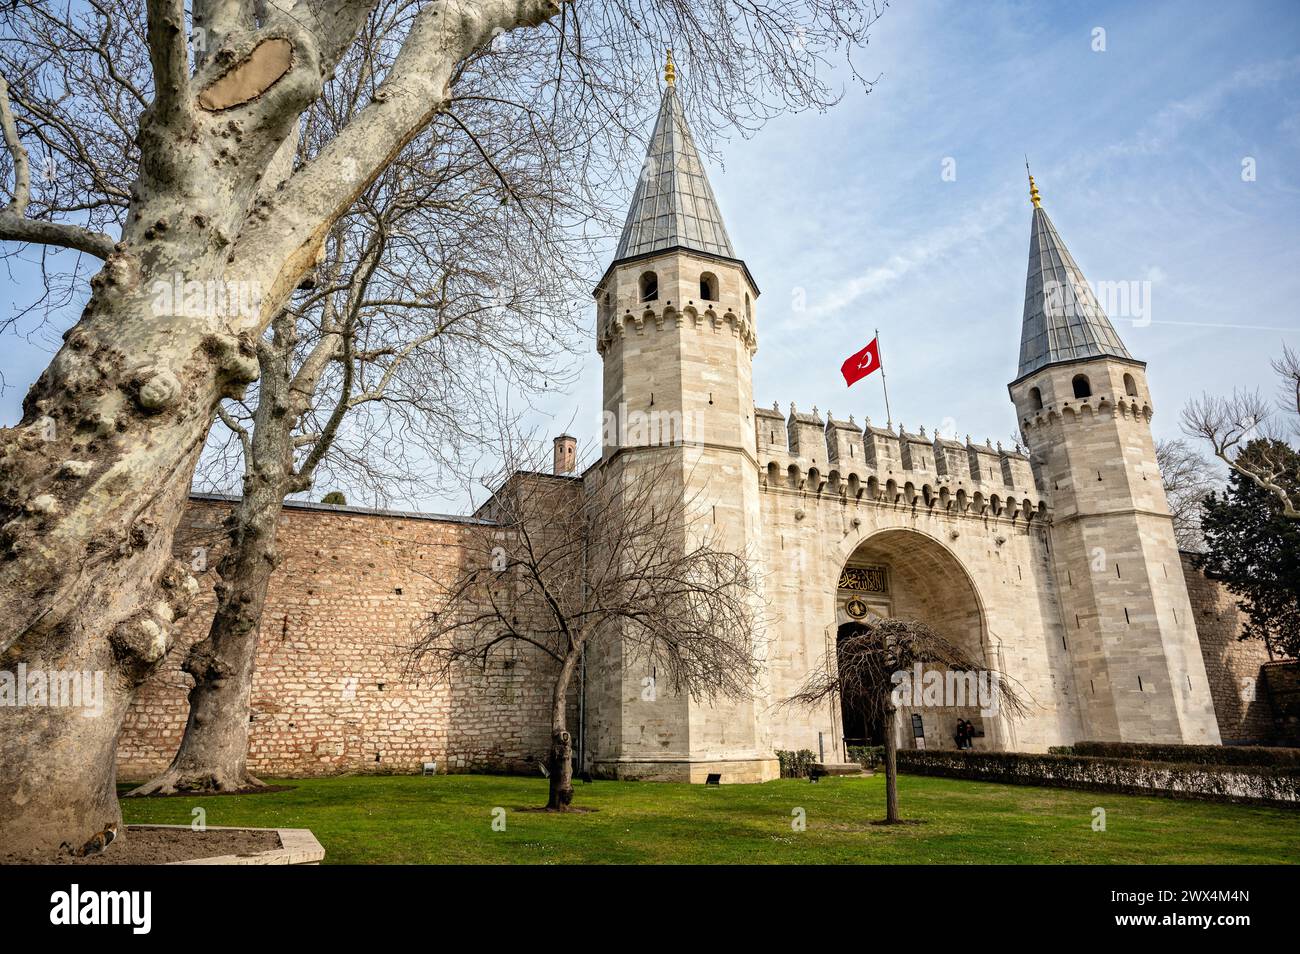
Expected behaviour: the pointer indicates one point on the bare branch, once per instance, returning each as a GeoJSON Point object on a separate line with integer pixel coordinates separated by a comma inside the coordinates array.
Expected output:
{"type": "Point", "coordinates": [1187, 479]}
{"type": "Point", "coordinates": [169, 55]}
{"type": "Point", "coordinates": [14, 225]}
{"type": "Point", "coordinates": [1238, 424]}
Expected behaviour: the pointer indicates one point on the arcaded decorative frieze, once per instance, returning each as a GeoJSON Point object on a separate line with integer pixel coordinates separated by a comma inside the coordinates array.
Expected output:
{"type": "Point", "coordinates": [1083, 410]}
{"type": "Point", "coordinates": [652, 317]}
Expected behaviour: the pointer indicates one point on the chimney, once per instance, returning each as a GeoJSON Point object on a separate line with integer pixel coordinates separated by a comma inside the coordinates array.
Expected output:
{"type": "Point", "coordinates": [566, 454]}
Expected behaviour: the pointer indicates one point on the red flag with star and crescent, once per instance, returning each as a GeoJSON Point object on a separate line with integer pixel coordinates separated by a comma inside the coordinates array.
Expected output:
{"type": "Point", "coordinates": [861, 364]}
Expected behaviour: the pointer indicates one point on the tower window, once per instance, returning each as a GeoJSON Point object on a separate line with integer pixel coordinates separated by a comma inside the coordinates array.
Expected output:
{"type": "Point", "coordinates": [1036, 399]}
{"type": "Point", "coordinates": [709, 287]}
{"type": "Point", "coordinates": [1082, 388]}
{"type": "Point", "coordinates": [1130, 386]}
{"type": "Point", "coordinates": [649, 286]}
{"type": "Point", "coordinates": [749, 315]}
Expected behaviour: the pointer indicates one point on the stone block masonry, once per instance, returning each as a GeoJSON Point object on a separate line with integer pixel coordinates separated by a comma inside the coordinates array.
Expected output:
{"type": "Point", "coordinates": [330, 696]}
{"type": "Point", "coordinates": [329, 693]}
{"type": "Point", "coordinates": [1281, 678]}
{"type": "Point", "coordinates": [1233, 666]}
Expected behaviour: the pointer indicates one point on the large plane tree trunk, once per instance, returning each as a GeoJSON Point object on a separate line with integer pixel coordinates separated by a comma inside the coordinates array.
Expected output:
{"type": "Point", "coordinates": [92, 484]}
{"type": "Point", "coordinates": [213, 753]}
{"type": "Point", "coordinates": [94, 478]}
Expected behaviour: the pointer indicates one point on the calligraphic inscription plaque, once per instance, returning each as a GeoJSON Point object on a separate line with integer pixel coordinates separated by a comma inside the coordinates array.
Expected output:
{"type": "Point", "coordinates": [864, 579]}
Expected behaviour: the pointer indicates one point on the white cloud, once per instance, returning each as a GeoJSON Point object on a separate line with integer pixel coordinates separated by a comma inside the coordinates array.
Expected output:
{"type": "Point", "coordinates": [926, 251]}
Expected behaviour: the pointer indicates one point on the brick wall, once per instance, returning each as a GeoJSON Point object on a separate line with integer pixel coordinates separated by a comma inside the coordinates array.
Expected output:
{"type": "Point", "coordinates": [1282, 681]}
{"type": "Point", "coordinates": [329, 695]}
{"type": "Point", "coordinates": [1241, 698]}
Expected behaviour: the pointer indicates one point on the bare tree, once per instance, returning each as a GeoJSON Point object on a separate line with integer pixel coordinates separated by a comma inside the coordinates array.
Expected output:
{"type": "Point", "coordinates": [1231, 423]}
{"type": "Point", "coordinates": [94, 477]}
{"type": "Point", "coordinates": [862, 670]}
{"type": "Point", "coordinates": [571, 565]}
{"type": "Point", "coordinates": [1187, 478]}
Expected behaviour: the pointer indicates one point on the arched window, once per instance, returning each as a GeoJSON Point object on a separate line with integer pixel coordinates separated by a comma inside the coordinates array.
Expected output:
{"type": "Point", "coordinates": [1082, 388]}
{"type": "Point", "coordinates": [649, 286]}
{"type": "Point", "coordinates": [709, 287]}
{"type": "Point", "coordinates": [1130, 386]}
{"type": "Point", "coordinates": [1036, 399]}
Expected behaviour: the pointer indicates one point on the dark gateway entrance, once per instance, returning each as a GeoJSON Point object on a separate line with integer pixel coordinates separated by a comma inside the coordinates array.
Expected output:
{"type": "Point", "coordinates": [908, 574]}
{"type": "Point", "coordinates": [863, 724]}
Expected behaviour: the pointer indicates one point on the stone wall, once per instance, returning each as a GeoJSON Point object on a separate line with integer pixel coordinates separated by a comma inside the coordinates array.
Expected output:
{"type": "Point", "coordinates": [329, 695]}
{"type": "Point", "coordinates": [1281, 681]}
{"type": "Point", "coordinates": [1250, 784]}
{"type": "Point", "coordinates": [983, 579]}
{"type": "Point", "coordinates": [1233, 667]}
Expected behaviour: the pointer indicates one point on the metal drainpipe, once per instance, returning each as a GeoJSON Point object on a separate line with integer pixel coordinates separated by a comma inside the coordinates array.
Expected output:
{"type": "Point", "coordinates": [582, 712]}
{"type": "Point", "coordinates": [582, 677]}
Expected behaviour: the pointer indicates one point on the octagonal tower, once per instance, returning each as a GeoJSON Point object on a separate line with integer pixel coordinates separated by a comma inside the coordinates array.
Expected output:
{"type": "Point", "coordinates": [675, 331]}
{"type": "Point", "coordinates": [1085, 411]}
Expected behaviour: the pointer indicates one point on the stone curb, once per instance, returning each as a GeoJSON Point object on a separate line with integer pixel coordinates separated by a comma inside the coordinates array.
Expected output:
{"type": "Point", "coordinates": [298, 846]}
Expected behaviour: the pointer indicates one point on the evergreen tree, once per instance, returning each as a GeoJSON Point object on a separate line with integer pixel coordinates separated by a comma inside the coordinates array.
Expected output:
{"type": "Point", "coordinates": [1254, 549]}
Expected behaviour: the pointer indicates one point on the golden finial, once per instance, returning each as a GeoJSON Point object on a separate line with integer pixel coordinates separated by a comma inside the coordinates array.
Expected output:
{"type": "Point", "coordinates": [1034, 197]}
{"type": "Point", "coordinates": [670, 69]}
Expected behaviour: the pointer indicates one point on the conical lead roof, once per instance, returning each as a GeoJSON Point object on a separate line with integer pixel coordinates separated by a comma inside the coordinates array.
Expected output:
{"type": "Point", "coordinates": [1063, 320]}
{"type": "Point", "coordinates": [673, 204]}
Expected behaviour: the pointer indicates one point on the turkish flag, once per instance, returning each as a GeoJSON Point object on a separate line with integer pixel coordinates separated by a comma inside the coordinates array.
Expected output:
{"type": "Point", "coordinates": [861, 364]}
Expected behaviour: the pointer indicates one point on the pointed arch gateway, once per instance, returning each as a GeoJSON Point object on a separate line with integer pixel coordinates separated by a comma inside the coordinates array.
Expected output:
{"type": "Point", "coordinates": [912, 575]}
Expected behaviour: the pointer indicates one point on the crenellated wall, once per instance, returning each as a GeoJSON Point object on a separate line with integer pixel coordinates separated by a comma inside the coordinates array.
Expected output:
{"type": "Point", "coordinates": [961, 531]}
{"type": "Point", "coordinates": [841, 458]}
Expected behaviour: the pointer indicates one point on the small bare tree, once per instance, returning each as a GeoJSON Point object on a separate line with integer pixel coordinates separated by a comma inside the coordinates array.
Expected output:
{"type": "Point", "coordinates": [1230, 423]}
{"type": "Point", "coordinates": [568, 565]}
{"type": "Point", "coordinates": [862, 670]}
{"type": "Point", "coordinates": [1187, 478]}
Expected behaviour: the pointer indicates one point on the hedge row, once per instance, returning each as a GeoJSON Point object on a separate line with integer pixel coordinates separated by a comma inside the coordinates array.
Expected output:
{"type": "Point", "coordinates": [868, 756]}
{"type": "Point", "coordinates": [1270, 785]}
{"type": "Point", "coordinates": [1191, 754]}
{"type": "Point", "coordinates": [796, 764]}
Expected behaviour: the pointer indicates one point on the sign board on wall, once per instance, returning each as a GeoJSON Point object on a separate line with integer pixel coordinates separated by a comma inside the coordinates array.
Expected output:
{"type": "Point", "coordinates": [864, 579]}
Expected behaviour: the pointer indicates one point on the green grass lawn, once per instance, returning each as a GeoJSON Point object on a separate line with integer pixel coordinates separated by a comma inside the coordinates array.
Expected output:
{"type": "Point", "coordinates": [448, 819]}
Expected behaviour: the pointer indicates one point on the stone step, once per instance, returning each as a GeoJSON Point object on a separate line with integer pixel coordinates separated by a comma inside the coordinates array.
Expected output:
{"type": "Point", "coordinates": [838, 768]}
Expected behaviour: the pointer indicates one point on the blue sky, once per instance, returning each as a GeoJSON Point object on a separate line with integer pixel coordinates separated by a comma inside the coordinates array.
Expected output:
{"type": "Point", "coordinates": [1138, 151]}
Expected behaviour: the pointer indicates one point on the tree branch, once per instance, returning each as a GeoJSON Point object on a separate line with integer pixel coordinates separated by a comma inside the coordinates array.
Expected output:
{"type": "Point", "coordinates": [14, 225]}
{"type": "Point", "coordinates": [169, 56]}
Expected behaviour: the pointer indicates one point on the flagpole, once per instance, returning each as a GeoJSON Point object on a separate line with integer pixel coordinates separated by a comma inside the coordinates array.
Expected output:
{"type": "Point", "coordinates": [889, 418]}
